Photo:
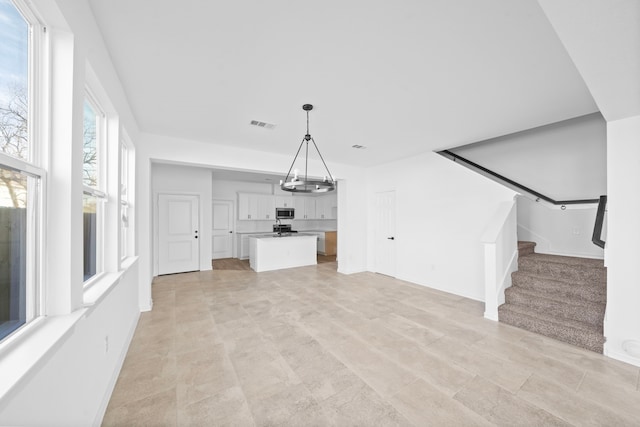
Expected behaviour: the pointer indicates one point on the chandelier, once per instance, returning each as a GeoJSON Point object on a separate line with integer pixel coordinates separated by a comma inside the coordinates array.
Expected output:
{"type": "Point", "coordinates": [302, 184]}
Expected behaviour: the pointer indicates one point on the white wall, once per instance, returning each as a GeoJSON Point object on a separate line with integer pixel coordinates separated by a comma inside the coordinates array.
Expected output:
{"type": "Point", "coordinates": [563, 161]}
{"type": "Point", "coordinates": [556, 231]}
{"type": "Point", "coordinates": [175, 179]}
{"type": "Point", "coordinates": [622, 322]}
{"type": "Point", "coordinates": [442, 210]}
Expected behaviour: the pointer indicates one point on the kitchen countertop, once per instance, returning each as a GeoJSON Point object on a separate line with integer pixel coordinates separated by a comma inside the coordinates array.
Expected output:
{"type": "Point", "coordinates": [275, 235]}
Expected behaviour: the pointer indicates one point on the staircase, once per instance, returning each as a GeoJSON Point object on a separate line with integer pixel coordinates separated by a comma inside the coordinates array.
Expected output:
{"type": "Point", "coordinates": [557, 296]}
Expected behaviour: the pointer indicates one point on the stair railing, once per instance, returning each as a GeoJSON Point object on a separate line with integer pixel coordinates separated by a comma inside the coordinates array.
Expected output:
{"type": "Point", "coordinates": [509, 182]}
{"type": "Point", "coordinates": [597, 228]}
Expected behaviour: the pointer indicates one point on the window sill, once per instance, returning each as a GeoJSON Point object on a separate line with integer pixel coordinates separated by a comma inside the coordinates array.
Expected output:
{"type": "Point", "coordinates": [107, 281]}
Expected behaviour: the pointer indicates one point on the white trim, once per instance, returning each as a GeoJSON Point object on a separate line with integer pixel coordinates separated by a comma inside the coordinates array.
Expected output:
{"type": "Point", "coordinates": [20, 165]}
{"type": "Point", "coordinates": [90, 191]}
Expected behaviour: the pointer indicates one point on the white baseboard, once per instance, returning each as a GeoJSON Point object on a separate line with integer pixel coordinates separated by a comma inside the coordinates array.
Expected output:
{"type": "Point", "coordinates": [621, 356]}
{"type": "Point", "coordinates": [493, 315]}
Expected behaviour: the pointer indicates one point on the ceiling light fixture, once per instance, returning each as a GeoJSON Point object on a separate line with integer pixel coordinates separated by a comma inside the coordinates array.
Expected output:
{"type": "Point", "coordinates": [306, 185]}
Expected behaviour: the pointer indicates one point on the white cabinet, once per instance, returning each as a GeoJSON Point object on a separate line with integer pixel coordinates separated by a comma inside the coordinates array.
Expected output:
{"type": "Point", "coordinates": [244, 244]}
{"type": "Point", "coordinates": [266, 207]}
{"type": "Point", "coordinates": [323, 208]}
{"type": "Point", "coordinates": [315, 207]}
{"type": "Point", "coordinates": [305, 207]}
{"type": "Point", "coordinates": [247, 206]}
{"type": "Point", "coordinates": [326, 207]}
{"type": "Point", "coordinates": [256, 207]}
{"type": "Point", "coordinates": [284, 202]}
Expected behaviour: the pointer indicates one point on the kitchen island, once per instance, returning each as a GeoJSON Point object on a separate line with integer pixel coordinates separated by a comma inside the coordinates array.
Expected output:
{"type": "Point", "coordinates": [275, 252]}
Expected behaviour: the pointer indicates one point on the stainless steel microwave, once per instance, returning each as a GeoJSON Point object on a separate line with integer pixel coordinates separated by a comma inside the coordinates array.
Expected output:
{"type": "Point", "coordinates": [285, 213]}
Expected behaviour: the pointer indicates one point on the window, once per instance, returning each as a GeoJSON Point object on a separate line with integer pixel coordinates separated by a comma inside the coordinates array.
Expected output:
{"type": "Point", "coordinates": [20, 176]}
{"type": "Point", "coordinates": [94, 195]}
{"type": "Point", "coordinates": [124, 200]}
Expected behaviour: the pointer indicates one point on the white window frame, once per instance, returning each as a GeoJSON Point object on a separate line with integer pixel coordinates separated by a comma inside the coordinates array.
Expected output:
{"type": "Point", "coordinates": [124, 182]}
{"type": "Point", "coordinates": [37, 102]}
{"type": "Point", "coordinates": [99, 191]}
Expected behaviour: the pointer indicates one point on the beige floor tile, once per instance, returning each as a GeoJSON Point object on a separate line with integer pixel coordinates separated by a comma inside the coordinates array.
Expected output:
{"type": "Point", "coordinates": [622, 373]}
{"type": "Point", "coordinates": [501, 407]}
{"type": "Point", "coordinates": [619, 398]}
{"type": "Point", "coordinates": [158, 409]}
{"type": "Point", "coordinates": [550, 368]}
{"type": "Point", "coordinates": [569, 406]}
{"type": "Point", "coordinates": [308, 346]}
{"type": "Point", "coordinates": [227, 408]}
{"type": "Point", "coordinates": [144, 378]}
{"type": "Point", "coordinates": [410, 330]}
{"type": "Point", "coordinates": [425, 405]}
{"type": "Point", "coordinates": [362, 406]}
{"type": "Point", "coordinates": [504, 373]}
{"type": "Point", "coordinates": [381, 373]}
{"type": "Point", "coordinates": [288, 405]}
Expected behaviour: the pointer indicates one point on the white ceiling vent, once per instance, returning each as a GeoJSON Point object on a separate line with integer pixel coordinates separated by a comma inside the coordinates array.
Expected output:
{"type": "Point", "coordinates": [262, 124]}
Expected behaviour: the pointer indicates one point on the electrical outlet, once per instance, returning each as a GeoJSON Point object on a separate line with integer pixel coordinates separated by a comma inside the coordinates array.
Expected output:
{"type": "Point", "coordinates": [576, 231]}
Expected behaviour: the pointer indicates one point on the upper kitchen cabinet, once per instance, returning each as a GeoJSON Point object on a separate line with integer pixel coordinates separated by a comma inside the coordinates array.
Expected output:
{"type": "Point", "coordinates": [247, 206]}
{"type": "Point", "coordinates": [284, 201]}
{"type": "Point", "coordinates": [266, 207]}
{"type": "Point", "coordinates": [305, 207]}
{"type": "Point", "coordinates": [326, 207]}
{"type": "Point", "coordinates": [256, 207]}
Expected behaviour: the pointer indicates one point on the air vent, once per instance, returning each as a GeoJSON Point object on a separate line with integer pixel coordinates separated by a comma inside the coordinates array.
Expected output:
{"type": "Point", "coordinates": [262, 124]}
{"type": "Point", "coordinates": [359, 147]}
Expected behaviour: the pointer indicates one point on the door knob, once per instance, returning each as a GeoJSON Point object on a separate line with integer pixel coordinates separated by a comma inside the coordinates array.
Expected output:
{"type": "Point", "coordinates": [391, 238]}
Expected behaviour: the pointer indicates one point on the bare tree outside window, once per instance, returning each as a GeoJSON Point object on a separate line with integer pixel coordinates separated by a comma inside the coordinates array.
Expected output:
{"type": "Point", "coordinates": [14, 141]}
{"type": "Point", "coordinates": [15, 231]}
{"type": "Point", "coordinates": [90, 152]}
{"type": "Point", "coordinates": [14, 109]}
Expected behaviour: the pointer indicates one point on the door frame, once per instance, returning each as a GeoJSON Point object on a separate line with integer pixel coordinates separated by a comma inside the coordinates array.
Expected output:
{"type": "Point", "coordinates": [233, 225]}
{"type": "Point", "coordinates": [156, 225]}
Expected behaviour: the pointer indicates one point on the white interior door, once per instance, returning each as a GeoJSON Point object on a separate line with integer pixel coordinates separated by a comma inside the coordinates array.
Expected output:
{"type": "Point", "coordinates": [178, 237]}
{"type": "Point", "coordinates": [222, 233]}
{"type": "Point", "coordinates": [385, 223]}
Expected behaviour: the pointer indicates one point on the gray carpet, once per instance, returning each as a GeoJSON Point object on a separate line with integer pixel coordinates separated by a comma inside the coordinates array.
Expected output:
{"type": "Point", "coordinates": [557, 296]}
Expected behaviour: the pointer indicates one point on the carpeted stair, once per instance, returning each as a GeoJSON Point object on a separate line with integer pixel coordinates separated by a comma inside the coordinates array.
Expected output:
{"type": "Point", "coordinates": [557, 296]}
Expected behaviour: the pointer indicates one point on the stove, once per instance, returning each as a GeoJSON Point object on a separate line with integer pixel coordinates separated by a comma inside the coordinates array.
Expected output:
{"type": "Point", "coordinates": [283, 228]}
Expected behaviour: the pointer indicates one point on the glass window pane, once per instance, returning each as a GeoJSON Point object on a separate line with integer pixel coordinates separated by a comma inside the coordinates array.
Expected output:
{"type": "Point", "coordinates": [14, 73]}
{"type": "Point", "coordinates": [124, 171]}
{"type": "Point", "coordinates": [124, 225]}
{"type": "Point", "coordinates": [13, 251]}
{"type": "Point", "coordinates": [90, 161]}
{"type": "Point", "coordinates": [90, 235]}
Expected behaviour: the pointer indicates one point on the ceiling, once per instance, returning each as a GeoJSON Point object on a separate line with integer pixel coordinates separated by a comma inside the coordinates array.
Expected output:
{"type": "Point", "coordinates": [397, 77]}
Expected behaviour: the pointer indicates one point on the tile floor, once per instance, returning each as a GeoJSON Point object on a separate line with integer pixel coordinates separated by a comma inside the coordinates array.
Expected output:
{"type": "Point", "coordinates": [311, 347]}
